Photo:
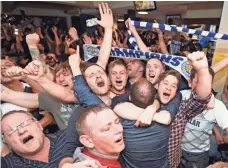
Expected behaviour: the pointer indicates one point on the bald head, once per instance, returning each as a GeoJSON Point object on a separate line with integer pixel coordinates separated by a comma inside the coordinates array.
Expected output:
{"type": "Point", "coordinates": [142, 93]}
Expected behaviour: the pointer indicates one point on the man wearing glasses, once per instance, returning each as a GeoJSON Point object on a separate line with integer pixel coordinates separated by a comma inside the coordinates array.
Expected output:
{"type": "Point", "coordinates": [30, 147]}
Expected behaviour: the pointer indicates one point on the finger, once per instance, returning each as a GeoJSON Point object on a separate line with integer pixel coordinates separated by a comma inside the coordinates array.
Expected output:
{"type": "Point", "coordinates": [100, 9]}
{"type": "Point", "coordinates": [110, 12]}
{"type": "Point", "coordinates": [136, 123]}
{"type": "Point", "coordinates": [78, 51]}
{"type": "Point", "coordinates": [106, 8]}
{"type": "Point", "coordinates": [25, 71]}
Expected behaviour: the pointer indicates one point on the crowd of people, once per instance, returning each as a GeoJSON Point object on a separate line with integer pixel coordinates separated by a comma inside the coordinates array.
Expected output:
{"type": "Point", "coordinates": [61, 111]}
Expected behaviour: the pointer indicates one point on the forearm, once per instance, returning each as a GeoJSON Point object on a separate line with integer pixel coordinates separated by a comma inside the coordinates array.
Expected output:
{"type": "Point", "coordinates": [162, 117]}
{"type": "Point", "coordinates": [105, 49]}
{"type": "Point", "coordinates": [132, 113]}
{"type": "Point", "coordinates": [220, 65]}
{"type": "Point", "coordinates": [162, 44]}
{"type": "Point", "coordinates": [140, 43]}
{"type": "Point", "coordinates": [35, 53]}
{"type": "Point", "coordinates": [34, 85]}
{"type": "Point", "coordinates": [216, 132]}
{"type": "Point", "coordinates": [46, 120]}
{"type": "Point", "coordinates": [63, 94]}
{"type": "Point", "coordinates": [27, 100]}
{"type": "Point", "coordinates": [204, 82]}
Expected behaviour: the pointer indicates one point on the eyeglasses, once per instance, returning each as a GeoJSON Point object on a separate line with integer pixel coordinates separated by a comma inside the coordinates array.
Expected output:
{"type": "Point", "coordinates": [22, 125]}
{"type": "Point", "coordinates": [49, 57]}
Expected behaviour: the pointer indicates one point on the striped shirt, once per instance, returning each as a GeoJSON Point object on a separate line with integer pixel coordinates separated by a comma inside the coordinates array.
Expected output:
{"type": "Point", "coordinates": [188, 109]}
{"type": "Point", "coordinates": [57, 142]}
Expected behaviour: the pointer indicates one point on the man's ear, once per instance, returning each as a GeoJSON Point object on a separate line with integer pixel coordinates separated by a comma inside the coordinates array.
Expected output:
{"type": "Point", "coordinates": [141, 69]}
{"type": "Point", "coordinates": [86, 141]}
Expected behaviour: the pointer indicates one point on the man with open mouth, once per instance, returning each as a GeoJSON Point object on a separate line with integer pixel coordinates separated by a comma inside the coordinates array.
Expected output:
{"type": "Point", "coordinates": [29, 146]}
{"type": "Point", "coordinates": [101, 134]}
{"type": "Point", "coordinates": [118, 75]}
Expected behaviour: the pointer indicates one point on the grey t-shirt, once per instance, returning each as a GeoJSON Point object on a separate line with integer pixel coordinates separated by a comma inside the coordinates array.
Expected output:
{"type": "Point", "coordinates": [60, 111]}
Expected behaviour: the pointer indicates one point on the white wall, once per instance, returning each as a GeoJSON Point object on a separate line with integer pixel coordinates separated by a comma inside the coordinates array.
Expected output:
{"type": "Point", "coordinates": [43, 12]}
{"type": "Point", "coordinates": [209, 13]}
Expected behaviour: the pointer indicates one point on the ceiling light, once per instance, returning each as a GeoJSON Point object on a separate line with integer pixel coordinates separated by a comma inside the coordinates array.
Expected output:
{"type": "Point", "coordinates": [143, 13]}
{"type": "Point", "coordinates": [120, 20]}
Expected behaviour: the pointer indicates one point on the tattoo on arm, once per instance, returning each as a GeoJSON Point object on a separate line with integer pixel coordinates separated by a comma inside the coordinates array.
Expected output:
{"type": "Point", "coordinates": [35, 53]}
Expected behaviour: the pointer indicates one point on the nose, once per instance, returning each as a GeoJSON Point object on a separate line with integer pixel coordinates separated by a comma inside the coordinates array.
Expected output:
{"type": "Point", "coordinates": [21, 130]}
{"type": "Point", "coordinates": [168, 87]}
{"type": "Point", "coordinates": [118, 75]}
{"type": "Point", "coordinates": [118, 128]}
{"type": "Point", "coordinates": [61, 78]}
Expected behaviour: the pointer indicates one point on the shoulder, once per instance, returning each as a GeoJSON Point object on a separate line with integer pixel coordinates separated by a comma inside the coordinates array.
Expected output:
{"type": "Point", "coordinates": [220, 105]}
{"type": "Point", "coordinates": [9, 161]}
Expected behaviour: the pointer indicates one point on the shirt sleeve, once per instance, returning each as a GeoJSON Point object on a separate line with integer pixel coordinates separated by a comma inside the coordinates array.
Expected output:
{"type": "Point", "coordinates": [195, 105]}
{"type": "Point", "coordinates": [173, 106]}
{"type": "Point", "coordinates": [83, 92]}
{"type": "Point", "coordinates": [221, 114]}
{"type": "Point", "coordinates": [119, 99]}
{"type": "Point", "coordinates": [72, 136]}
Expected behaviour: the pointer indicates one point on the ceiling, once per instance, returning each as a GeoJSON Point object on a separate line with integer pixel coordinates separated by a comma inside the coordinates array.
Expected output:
{"type": "Point", "coordinates": [119, 7]}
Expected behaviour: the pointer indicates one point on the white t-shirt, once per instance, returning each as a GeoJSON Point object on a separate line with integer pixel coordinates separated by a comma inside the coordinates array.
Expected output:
{"type": "Point", "coordinates": [199, 129]}
{"type": "Point", "coordinates": [7, 107]}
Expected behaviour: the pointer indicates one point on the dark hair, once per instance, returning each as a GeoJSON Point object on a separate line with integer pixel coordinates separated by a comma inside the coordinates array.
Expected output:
{"type": "Point", "coordinates": [170, 72]}
{"type": "Point", "coordinates": [193, 73]}
{"type": "Point", "coordinates": [142, 93]}
{"type": "Point", "coordinates": [81, 125]}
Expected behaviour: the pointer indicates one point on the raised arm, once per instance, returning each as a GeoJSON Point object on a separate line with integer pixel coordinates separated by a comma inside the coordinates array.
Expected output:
{"type": "Point", "coordinates": [35, 71]}
{"type": "Point", "coordinates": [202, 93]}
{"type": "Point", "coordinates": [162, 42]}
{"type": "Point", "coordinates": [32, 41]}
{"type": "Point", "coordinates": [220, 65]}
{"type": "Point", "coordinates": [106, 22]}
{"type": "Point", "coordinates": [27, 100]}
{"type": "Point", "coordinates": [138, 39]}
{"type": "Point", "coordinates": [82, 90]}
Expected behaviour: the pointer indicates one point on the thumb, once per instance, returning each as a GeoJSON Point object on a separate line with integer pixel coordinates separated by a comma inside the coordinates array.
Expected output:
{"type": "Point", "coordinates": [96, 20]}
{"type": "Point", "coordinates": [78, 51]}
{"type": "Point", "coordinates": [136, 123]}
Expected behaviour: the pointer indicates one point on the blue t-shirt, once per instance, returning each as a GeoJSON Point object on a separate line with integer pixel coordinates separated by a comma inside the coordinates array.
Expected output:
{"type": "Point", "coordinates": [146, 146]}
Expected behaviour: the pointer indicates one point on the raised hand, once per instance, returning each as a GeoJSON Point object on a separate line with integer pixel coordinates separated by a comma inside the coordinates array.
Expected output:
{"type": "Point", "coordinates": [34, 70]}
{"type": "Point", "coordinates": [87, 39]}
{"type": "Point", "coordinates": [198, 60]}
{"type": "Point", "coordinates": [54, 29]}
{"type": "Point", "coordinates": [73, 33]}
{"type": "Point", "coordinates": [129, 25]}
{"type": "Point", "coordinates": [15, 73]}
{"type": "Point", "coordinates": [32, 40]}
{"type": "Point", "coordinates": [74, 61]}
{"type": "Point", "coordinates": [106, 16]}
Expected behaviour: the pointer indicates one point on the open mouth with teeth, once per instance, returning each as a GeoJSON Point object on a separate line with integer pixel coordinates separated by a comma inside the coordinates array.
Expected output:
{"type": "Point", "coordinates": [28, 139]}
{"type": "Point", "coordinates": [151, 76]}
{"type": "Point", "coordinates": [64, 85]}
{"type": "Point", "coordinates": [119, 140]}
